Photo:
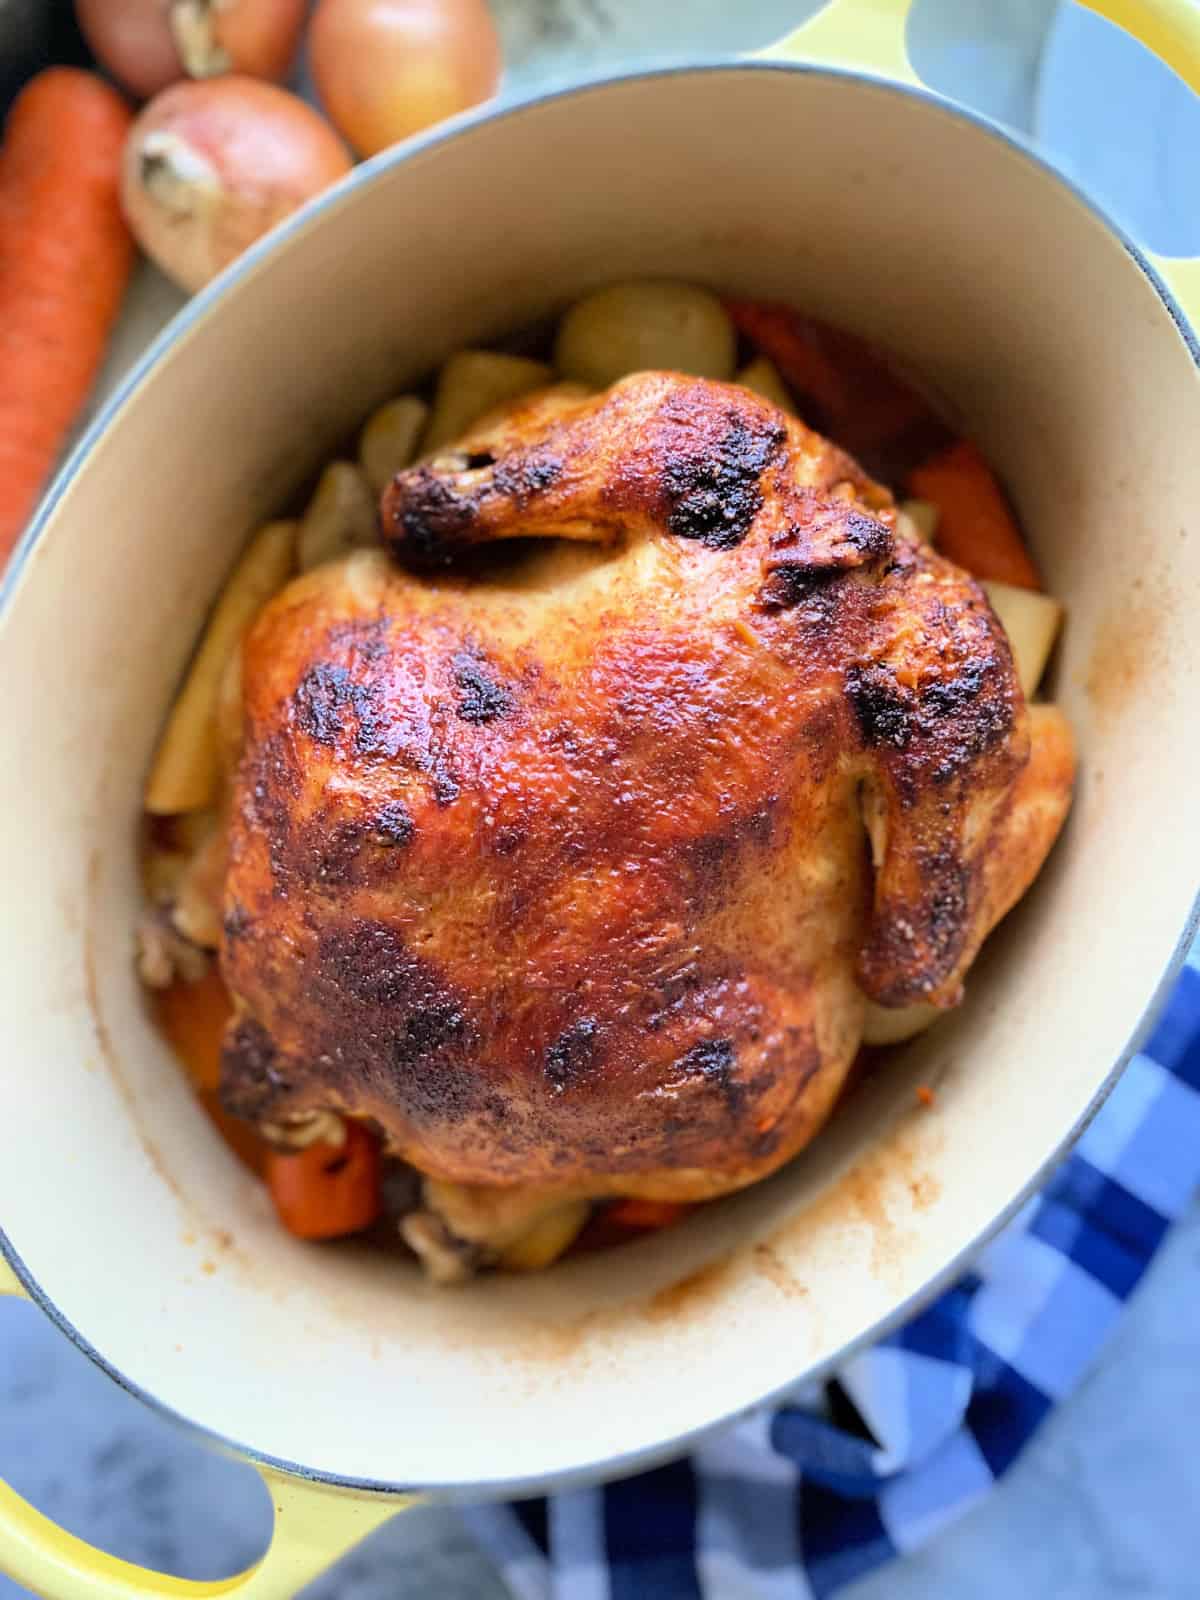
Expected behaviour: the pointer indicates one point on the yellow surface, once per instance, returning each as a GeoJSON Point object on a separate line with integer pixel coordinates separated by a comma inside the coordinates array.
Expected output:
{"type": "Point", "coordinates": [869, 35]}
{"type": "Point", "coordinates": [313, 1527]}
{"type": "Point", "coordinates": [1171, 28]}
{"type": "Point", "coordinates": [1183, 280]}
{"type": "Point", "coordinates": [862, 35]}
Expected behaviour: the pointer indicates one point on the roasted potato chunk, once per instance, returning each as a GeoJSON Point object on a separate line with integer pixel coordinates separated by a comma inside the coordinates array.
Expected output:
{"type": "Point", "coordinates": [636, 327]}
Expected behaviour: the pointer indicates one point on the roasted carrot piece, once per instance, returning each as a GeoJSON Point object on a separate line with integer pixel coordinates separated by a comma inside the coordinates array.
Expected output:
{"type": "Point", "coordinates": [976, 528]}
{"type": "Point", "coordinates": [328, 1190]}
{"type": "Point", "coordinates": [237, 1134]}
{"type": "Point", "coordinates": [641, 1216]}
{"type": "Point", "coordinates": [843, 387]}
{"type": "Point", "coordinates": [606, 1228]}
{"type": "Point", "coordinates": [65, 258]}
{"type": "Point", "coordinates": [794, 344]}
{"type": "Point", "coordinates": [193, 1018]}
{"type": "Point", "coordinates": [847, 390]}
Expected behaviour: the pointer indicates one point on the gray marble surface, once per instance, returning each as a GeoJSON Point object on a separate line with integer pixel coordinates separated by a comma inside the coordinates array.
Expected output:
{"type": "Point", "coordinates": [1105, 1504]}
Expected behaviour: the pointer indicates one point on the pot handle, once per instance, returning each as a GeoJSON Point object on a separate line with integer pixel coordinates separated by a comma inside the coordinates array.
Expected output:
{"type": "Point", "coordinates": [314, 1525]}
{"type": "Point", "coordinates": [869, 36]}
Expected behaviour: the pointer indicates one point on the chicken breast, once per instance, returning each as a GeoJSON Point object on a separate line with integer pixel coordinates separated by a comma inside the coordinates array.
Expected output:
{"type": "Point", "coordinates": [573, 830]}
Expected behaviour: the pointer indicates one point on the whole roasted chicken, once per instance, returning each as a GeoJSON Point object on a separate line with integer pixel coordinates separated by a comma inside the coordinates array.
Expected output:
{"type": "Point", "coordinates": [577, 831]}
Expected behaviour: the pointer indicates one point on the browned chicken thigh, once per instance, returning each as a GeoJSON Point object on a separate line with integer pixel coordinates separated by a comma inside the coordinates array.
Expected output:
{"type": "Point", "coordinates": [575, 860]}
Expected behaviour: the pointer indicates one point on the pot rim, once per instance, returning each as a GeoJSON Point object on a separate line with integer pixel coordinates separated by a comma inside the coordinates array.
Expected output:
{"type": "Point", "coordinates": [185, 321]}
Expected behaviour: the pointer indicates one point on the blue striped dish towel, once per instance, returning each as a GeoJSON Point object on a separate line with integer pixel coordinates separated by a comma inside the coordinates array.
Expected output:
{"type": "Point", "coordinates": [786, 1502]}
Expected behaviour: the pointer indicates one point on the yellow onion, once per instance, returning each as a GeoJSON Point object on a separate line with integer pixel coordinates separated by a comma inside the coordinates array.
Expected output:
{"type": "Point", "coordinates": [149, 44]}
{"type": "Point", "coordinates": [211, 166]}
{"type": "Point", "coordinates": [385, 69]}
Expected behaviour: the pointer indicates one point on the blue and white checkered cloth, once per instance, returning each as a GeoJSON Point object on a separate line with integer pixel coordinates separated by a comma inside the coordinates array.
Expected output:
{"type": "Point", "coordinates": [785, 1503]}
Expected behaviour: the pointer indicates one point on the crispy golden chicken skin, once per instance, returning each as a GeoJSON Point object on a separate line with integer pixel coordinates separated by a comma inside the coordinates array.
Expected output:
{"type": "Point", "coordinates": [574, 861]}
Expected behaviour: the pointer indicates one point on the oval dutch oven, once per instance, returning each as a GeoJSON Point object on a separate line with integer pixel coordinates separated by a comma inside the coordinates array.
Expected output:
{"type": "Point", "coordinates": [822, 174]}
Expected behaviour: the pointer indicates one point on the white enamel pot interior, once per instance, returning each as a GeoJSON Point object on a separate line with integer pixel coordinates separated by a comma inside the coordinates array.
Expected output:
{"type": "Point", "coordinates": [880, 209]}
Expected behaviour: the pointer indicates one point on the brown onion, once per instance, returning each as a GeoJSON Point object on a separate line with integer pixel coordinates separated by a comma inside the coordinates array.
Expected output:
{"type": "Point", "coordinates": [149, 44]}
{"type": "Point", "coordinates": [385, 69]}
{"type": "Point", "coordinates": [210, 167]}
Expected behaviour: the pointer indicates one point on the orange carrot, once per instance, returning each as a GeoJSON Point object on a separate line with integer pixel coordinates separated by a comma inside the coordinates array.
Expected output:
{"type": "Point", "coordinates": [193, 1018]}
{"type": "Point", "coordinates": [641, 1216]}
{"type": "Point", "coordinates": [975, 527]}
{"type": "Point", "coordinates": [843, 386]}
{"type": "Point", "coordinates": [794, 344]}
{"type": "Point", "coordinates": [328, 1190]}
{"type": "Point", "coordinates": [65, 257]}
{"type": "Point", "coordinates": [238, 1134]}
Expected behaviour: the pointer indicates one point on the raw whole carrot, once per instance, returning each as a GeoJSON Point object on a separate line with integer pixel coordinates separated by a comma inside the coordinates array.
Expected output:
{"type": "Point", "coordinates": [65, 257]}
{"type": "Point", "coordinates": [328, 1190]}
{"type": "Point", "coordinates": [975, 527]}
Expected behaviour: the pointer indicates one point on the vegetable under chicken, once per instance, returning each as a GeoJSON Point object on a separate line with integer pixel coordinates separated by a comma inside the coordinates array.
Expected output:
{"type": "Point", "coordinates": [579, 862]}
